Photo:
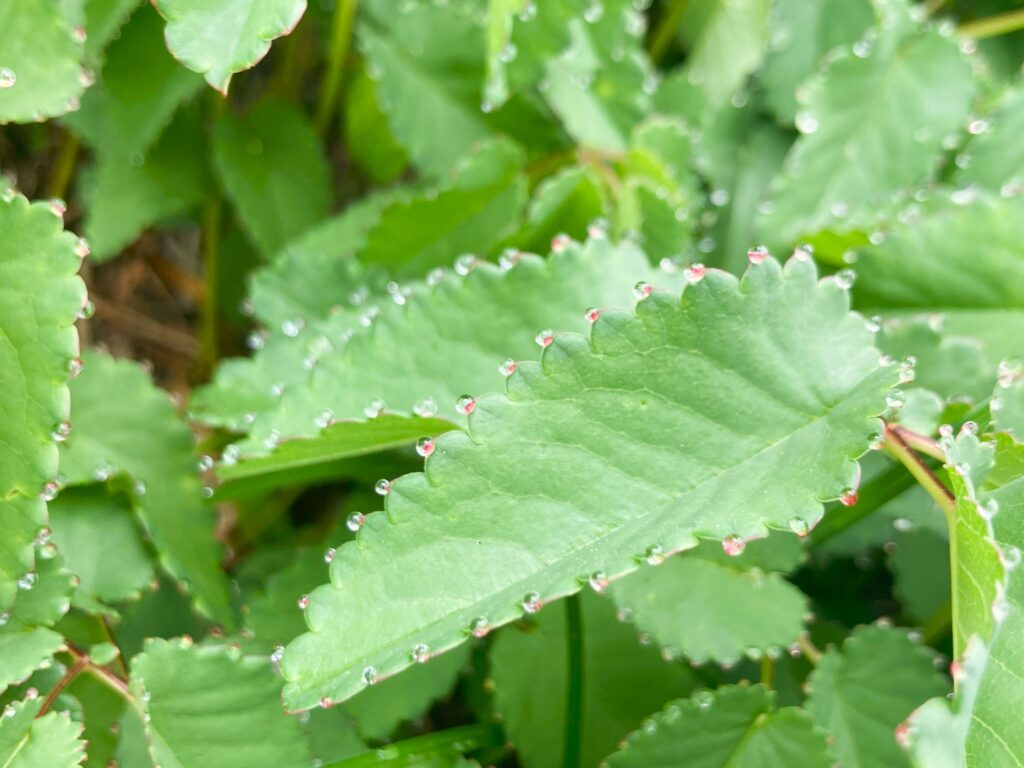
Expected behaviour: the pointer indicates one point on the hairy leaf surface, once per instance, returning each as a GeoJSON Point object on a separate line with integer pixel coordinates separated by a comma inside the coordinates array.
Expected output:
{"type": "Point", "coordinates": [658, 410]}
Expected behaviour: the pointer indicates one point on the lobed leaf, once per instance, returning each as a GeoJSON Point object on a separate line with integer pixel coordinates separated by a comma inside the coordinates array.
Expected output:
{"type": "Point", "coordinates": [992, 158]}
{"type": "Point", "coordinates": [658, 416]}
{"type": "Point", "coordinates": [28, 740]}
{"type": "Point", "coordinates": [735, 726]}
{"type": "Point", "coordinates": [40, 296]}
{"type": "Point", "coordinates": [138, 434]}
{"type": "Point", "coordinates": [219, 39]}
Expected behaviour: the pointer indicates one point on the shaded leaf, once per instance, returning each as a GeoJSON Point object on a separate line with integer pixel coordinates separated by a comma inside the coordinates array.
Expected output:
{"type": "Point", "coordinates": [736, 726]}
{"type": "Point", "coordinates": [996, 159]}
{"type": "Point", "coordinates": [30, 741]}
{"type": "Point", "coordinates": [726, 42]}
{"type": "Point", "coordinates": [612, 407]}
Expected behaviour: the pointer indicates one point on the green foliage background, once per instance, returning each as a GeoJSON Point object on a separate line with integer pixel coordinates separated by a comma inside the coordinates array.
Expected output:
{"type": "Point", "coordinates": [681, 339]}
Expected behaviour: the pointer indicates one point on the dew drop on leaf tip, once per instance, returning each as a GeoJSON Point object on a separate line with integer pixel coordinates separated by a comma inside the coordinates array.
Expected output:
{"type": "Point", "coordinates": [592, 315]}
{"type": "Point", "coordinates": [733, 545]}
{"type": "Point", "coordinates": [383, 487]}
{"type": "Point", "coordinates": [479, 627]}
{"type": "Point", "coordinates": [642, 290]}
{"type": "Point", "coordinates": [329, 555]}
{"type": "Point", "coordinates": [425, 408]}
{"type": "Point", "coordinates": [465, 405]}
{"type": "Point", "coordinates": [374, 409]}
{"type": "Point", "coordinates": [425, 446]}
{"type": "Point", "coordinates": [559, 243]}
{"type": "Point", "coordinates": [507, 367]}
{"type": "Point", "coordinates": [757, 254]}
{"type": "Point", "coordinates": [303, 602]}
{"type": "Point", "coordinates": [848, 497]}
{"type": "Point", "coordinates": [7, 77]}
{"type": "Point", "coordinates": [355, 521]}
{"type": "Point", "coordinates": [544, 338]}
{"type": "Point", "coordinates": [420, 653]}
{"type": "Point", "coordinates": [370, 676]}
{"type": "Point", "coordinates": [531, 602]}
{"type": "Point", "coordinates": [694, 273]}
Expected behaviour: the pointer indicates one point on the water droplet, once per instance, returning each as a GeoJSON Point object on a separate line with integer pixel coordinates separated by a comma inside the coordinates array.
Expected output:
{"type": "Point", "coordinates": [358, 296]}
{"type": "Point", "coordinates": [597, 229]}
{"type": "Point", "coordinates": [757, 254]}
{"type": "Point", "coordinates": [355, 521]}
{"type": "Point", "coordinates": [694, 273]}
{"type": "Point", "coordinates": [369, 316]}
{"type": "Point", "coordinates": [806, 122]}
{"type": "Point", "coordinates": [370, 676]}
{"type": "Point", "coordinates": [374, 409]}
{"type": "Point", "coordinates": [531, 602]}
{"type": "Point", "coordinates": [507, 53]}
{"type": "Point", "coordinates": [803, 252]}
{"type": "Point", "coordinates": [303, 602]}
{"type": "Point", "coordinates": [420, 653]}
{"type": "Point", "coordinates": [848, 497]}
{"type": "Point", "coordinates": [559, 243]}
{"type": "Point", "coordinates": [4, 618]}
{"type": "Point", "coordinates": [895, 399]}
{"type": "Point", "coordinates": [528, 12]}
{"type": "Point", "coordinates": [654, 555]}
{"type": "Point", "coordinates": [507, 367]}
{"type": "Point", "coordinates": [733, 545]}
{"type": "Point", "coordinates": [425, 408]}
{"type": "Point", "coordinates": [7, 77]}
{"type": "Point", "coordinates": [1000, 609]}
{"type": "Point", "coordinates": [479, 627]}
{"type": "Point", "coordinates": [544, 338]}
{"type": "Point", "coordinates": [509, 258]}
{"type": "Point", "coordinates": [902, 524]}
{"type": "Point", "coordinates": [976, 127]}
{"type": "Point", "coordinates": [326, 702]}
{"type": "Point", "coordinates": [383, 487]}
{"type": "Point", "coordinates": [61, 432]}
{"type": "Point", "coordinates": [845, 278]}
{"type": "Point", "coordinates": [435, 276]}
{"type": "Point", "coordinates": [49, 491]}
{"type": "Point", "coordinates": [272, 439]}
{"type": "Point", "coordinates": [1011, 557]}
{"type": "Point", "coordinates": [324, 418]}
{"type": "Point", "coordinates": [642, 290]}
{"type": "Point", "coordinates": [799, 526]}
{"type": "Point", "coordinates": [594, 12]}
{"type": "Point", "coordinates": [82, 248]}
{"type": "Point", "coordinates": [591, 315]}
{"type": "Point", "coordinates": [719, 197]}
{"type": "Point", "coordinates": [27, 581]}
{"type": "Point", "coordinates": [465, 405]}
{"type": "Point", "coordinates": [598, 581]}
{"type": "Point", "coordinates": [862, 49]}
{"type": "Point", "coordinates": [703, 699]}
{"type": "Point", "coordinates": [329, 554]}
{"type": "Point", "coordinates": [58, 207]}
{"type": "Point", "coordinates": [425, 446]}
{"type": "Point", "coordinates": [465, 264]}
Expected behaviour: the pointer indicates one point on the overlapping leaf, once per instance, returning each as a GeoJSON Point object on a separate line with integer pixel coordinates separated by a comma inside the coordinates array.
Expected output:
{"type": "Point", "coordinates": [138, 434]}
{"type": "Point", "coordinates": [217, 40]}
{"type": "Point", "coordinates": [736, 726]}
{"type": "Point", "coordinates": [40, 297]}
{"type": "Point", "coordinates": [30, 741]}
{"type": "Point", "coordinates": [861, 693]}
{"type": "Point", "coordinates": [873, 125]}
{"type": "Point", "coordinates": [666, 438]}
{"type": "Point", "coordinates": [212, 706]}
{"type": "Point", "coordinates": [993, 159]}
{"type": "Point", "coordinates": [40, 61]}
{"type": "Point", "coordinates": [529, 668]}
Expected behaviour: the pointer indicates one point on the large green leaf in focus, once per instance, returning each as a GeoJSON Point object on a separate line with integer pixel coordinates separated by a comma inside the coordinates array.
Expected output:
{"type": "Point", "coordinates": [735, 727]}
{"type": "Point", "coordinates": [26, 640]}
{"type": "Point", "coordinates": [983, 729]}
{"type": "Point", "coordinates": [623, 682]}
{"type": "Point", "coordinates": [124, 425]}
{"type": "Point", "coordinates": [726, 41]}
{"type": "Point", "coordinates": [211, 705]}
{"type": "Point", "coordinates": [802, 33]}
{"type": "Point", "coordinates": [708, 608]}
{"type": "Point", "coordinates": [40, 297]}
{"type": "Point", "coordinates": [28, 740]}
{"type": "Point", "coordinates": [662, 425]}
{"type": "Point", "coordinates": [222, 38]}
{"type": "Point", "coordinates": [472, 323]}
{"type": "Point", "coordinates": [472, 214]}
{"type": "Point", "coordinates": [40, 61]}
{"type": "Point", "coordinates": [873, 123]}
{"type": "Point", "coordinates": [125, 196]}
{"type": "Point", "coordinates": [859, 694]}
{"type": "Point", "coordinates": [274, 171]}
{"type": "Point", "coordinates": [138, 91]}
{"type": "Point", "coordinates": [963, 260]}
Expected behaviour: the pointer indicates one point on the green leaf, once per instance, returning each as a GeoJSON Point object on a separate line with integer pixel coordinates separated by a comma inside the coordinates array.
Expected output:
{"type": "Point", "coordinates": [124, 198]}
{"type": "Point", "coordinates": [230, 36]}
{"type": "Point", "coordinates": [139, 435]}
{"type": "Point", "coordinates": [26, 642]}
{"type": "Point", "coordinates": [103, 20]}
{"type": "Point", "coordinates": [736, 726]}
{"type": "Point", "coordinates": [920, 568]}
{"type": "Point", "coordinates": [39, 46]}
{"type": "Point", "coordinates": [935, 266]}
{"type": "Point", "coordinates": [623, 682]}
{"type": "Point", "coordinates": [634, 440]}
{"type": "Point", "coordinates": [39, 300]}
{"type": "Point", "coordinates": [88, 524]}
{"type": "Point", "coordinates": [273, 169]}
{"type": "Point", "coordinates": [872, 126]}
{"type": "Point", "coordinates": [600, 86]}
{"type": "Point", "coordinates": [368, 136]}
{"type": "Point", "coordinates": [1007, 403]}
{"type": "Point", "coordinates": [861, 693]}
{"type": "Point", "coordinates": [426, 61]}
{"type": "Point", "coordinates": [982, 729]}
{"type": "Point", "coordinates": [212, 706]}
{"type": "Point", "coordinates": [802, 33]}
{"type": "Point", "coordinates": [30, 741]}
{"type": "Point", "coordinates": [138, 91]}
{"type": "Point", "coordinates": [710, 610]}
{"type": "Point", "coordinates": [726, 42]}
{"type": "Point", "coordinates": [473, 213]}
{"type": "Point", "coordinates": [566, 202]}
{"type": "Point", "coordinates": [994, 158]}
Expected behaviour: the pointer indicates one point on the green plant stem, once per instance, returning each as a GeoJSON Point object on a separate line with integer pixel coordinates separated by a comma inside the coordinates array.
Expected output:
{"type": "Point", "coordinates": [574, 689]}
{"type": "Point", "coordinates": [898, 448]}
{"type": "Point", "coordinates": [661, 38]}
{"type": "Point", "coordinates": [337, 55]}
{"type": "Point", "coordinates": [767, 670]}
{"type": "Point", "coordinates": [104, 675]}
{"type": "Point", "coordinates": [63, 166]}
{"type": "Point", "coordinates": [993, 25]}
{"type": "Point", "coordinates": [209, 351]}
{"type": "Point", "coordinates": [811, 653]}
{"type": "Point", "coordinates": [454, 741]}
{"type": "Point", "coordinates": [921, 443]}
{"type": "Point", "coordinates": [70, 674]}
